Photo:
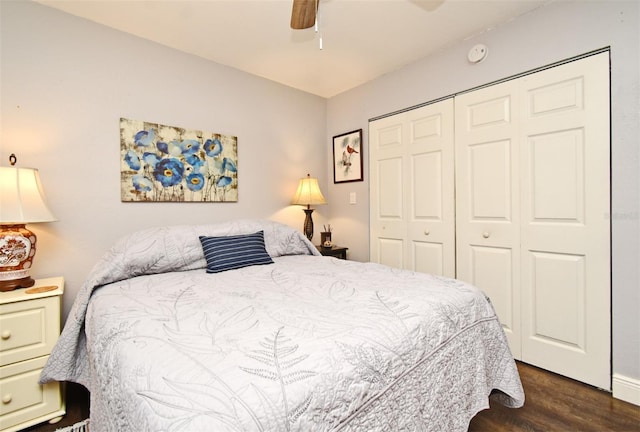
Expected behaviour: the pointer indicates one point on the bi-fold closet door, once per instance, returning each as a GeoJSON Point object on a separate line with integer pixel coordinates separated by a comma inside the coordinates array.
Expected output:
{"type": "Point", "coordinates": [531, 177]}
{"type": "Point", "coordinates": [412, 222]}
{"type": "Point", "coordinates": [533, 196]}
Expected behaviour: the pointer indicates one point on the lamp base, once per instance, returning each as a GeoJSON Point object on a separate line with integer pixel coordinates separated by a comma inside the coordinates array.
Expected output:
{"type": "Point", "coordinates": [10, 285]}
{"type": "Point", "coordinates": [308, 223]}
{"type": "Point", "coordinates": [17, 249]}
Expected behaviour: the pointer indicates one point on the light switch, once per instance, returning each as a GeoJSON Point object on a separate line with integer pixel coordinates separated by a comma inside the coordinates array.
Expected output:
{"type": "Point", "coordinates": [352, 198]}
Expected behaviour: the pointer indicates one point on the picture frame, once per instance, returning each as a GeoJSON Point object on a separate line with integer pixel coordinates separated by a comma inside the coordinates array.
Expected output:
{"type": "Point", "coordinates": [162, 163]}
{"type": "Point", "coordinates": [347, 157]}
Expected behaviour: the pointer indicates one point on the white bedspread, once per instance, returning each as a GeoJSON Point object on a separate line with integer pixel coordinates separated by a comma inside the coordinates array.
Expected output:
{"type": "Point", "coordinates": [308, 343]}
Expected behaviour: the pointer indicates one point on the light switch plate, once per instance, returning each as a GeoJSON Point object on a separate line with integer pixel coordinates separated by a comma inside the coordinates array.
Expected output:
{"type": "Point", "coordinates": [352, 198]}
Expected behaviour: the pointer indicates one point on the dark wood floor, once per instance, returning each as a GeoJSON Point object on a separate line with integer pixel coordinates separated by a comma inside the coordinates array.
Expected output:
{"type": "Point", "coordinates": [553, 404]}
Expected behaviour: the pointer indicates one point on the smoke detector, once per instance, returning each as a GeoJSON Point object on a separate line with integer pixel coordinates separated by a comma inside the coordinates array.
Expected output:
{"type": "Point", "coordinates": [478, 53]}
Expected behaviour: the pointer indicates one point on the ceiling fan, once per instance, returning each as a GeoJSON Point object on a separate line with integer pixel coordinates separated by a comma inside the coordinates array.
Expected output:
{"type": "Point", "coordinates": [303, 14]}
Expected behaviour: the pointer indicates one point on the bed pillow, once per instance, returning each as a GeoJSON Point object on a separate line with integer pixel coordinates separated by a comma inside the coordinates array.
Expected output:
{"type": "Point", "coordinates": [234, 252]}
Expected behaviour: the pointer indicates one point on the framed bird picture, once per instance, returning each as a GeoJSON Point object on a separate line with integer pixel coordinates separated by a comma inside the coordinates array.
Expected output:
{"type": "Point", "coordinates": [347, 157]}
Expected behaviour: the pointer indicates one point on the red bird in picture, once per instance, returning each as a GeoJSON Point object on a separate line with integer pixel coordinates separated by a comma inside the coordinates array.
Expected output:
{"type": "Point", "coordinates": [346, 156]}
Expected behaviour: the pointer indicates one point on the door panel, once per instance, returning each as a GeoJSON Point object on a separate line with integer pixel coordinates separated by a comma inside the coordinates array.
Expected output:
{"type": "Point", "coordinates": [428, 257]}
{"type": "Point", "coordinates": [387, 213]}
{"type": "Point", "coordinates": [558, 290]}
{"type": "Point", "coordinates": [391, 251]}
{"type": "Point", "coordinates": [487, 199]}
{"type": "Point", "coordinates": [565, 233]}
{"type": "Point", "coordinates": [557, 177]}
{"type": "Point", "coordinates": [549, 99]}
{"type": "Point", "coordinates": [426, 186]}
{"type": "Point", "coordinates": [490, 181]}
{"type": "Point", "coordinates": [389, 186]}
{"type": "Point", "coordinates": [491, 268]}
{"type": "Point", "coordinates": [487, 112]}
{"type": "Point", "coordinates": [430, 176]}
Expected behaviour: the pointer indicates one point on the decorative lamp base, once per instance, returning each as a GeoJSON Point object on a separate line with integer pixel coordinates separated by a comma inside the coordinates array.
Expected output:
{"type": "Point", "coordinates": [308, 223]}
{"type": "Point", "coordinates": [17, 249]}
{"type": "Point", "coordinates": [10, 285]}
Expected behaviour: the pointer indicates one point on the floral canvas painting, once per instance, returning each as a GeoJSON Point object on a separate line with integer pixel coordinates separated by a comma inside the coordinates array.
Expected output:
{"type": "Point", "coordinates": [170, 164]}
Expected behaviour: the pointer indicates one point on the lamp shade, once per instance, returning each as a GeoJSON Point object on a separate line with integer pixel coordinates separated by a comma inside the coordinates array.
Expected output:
{"type": "Point", "coordinates": [308, 192]}
{"type": "Point", "coordinates": [22, 199]}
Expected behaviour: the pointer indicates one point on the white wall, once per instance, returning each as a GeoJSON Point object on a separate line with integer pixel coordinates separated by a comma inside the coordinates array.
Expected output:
{"type": "Point", "coordinates": [65, 83]}
{"type": "Point", "coordinates": [558, 31]}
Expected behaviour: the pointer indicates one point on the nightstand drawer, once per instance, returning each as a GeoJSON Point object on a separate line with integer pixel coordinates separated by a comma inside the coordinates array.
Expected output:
{"type": "Point", "coordinates": [28, 329]}
{"type": "Point", "coordinates": [22, 398]}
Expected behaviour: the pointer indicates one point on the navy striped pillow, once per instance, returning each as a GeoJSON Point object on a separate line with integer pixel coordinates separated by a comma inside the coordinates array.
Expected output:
{"type": "Point", "coordinates": [234, 252]}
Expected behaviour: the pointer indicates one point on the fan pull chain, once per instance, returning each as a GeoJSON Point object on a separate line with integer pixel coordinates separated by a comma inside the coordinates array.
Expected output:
{"type": "Point", "coordinates": [317, 25]}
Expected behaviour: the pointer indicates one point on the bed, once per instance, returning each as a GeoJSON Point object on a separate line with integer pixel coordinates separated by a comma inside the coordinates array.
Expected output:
{"type": "Point", "coordinates": [164, 341]}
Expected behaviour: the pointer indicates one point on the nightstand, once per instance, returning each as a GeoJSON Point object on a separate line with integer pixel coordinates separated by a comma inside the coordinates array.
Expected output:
{"type": "Point", "coordinates": [334, 251]}
{"type": "Point", "coordinates": [29, 328]}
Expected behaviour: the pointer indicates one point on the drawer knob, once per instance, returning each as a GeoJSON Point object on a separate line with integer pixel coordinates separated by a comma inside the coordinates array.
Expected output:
{"type": "Point", "coordinates": [6, 399]}
{"type": "Point", "coordinates": [427, 232]}
{"type": "Point", "coordinates": [6, 334]}
{"type": "Point", "coordinates": [485, 234]}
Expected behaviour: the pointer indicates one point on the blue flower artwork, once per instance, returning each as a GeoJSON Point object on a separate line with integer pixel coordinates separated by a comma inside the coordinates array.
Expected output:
{"type": "Point", "coordinates": [162, 163]}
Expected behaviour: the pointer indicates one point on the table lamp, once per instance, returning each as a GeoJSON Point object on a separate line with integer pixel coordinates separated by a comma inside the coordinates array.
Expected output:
{"type": "Point", "coordinates": [308, 194]}
{"type": "Point", "coordinates": [22, 201]}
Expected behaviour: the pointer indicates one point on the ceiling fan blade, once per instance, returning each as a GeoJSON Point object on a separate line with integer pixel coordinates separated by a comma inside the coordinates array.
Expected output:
{"type": "Point", "coordinates": [303, 14]}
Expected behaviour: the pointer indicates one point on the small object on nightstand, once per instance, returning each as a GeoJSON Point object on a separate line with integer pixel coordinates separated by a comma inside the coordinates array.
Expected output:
{"type": "Point", "coordinates": [334, 251]}
{"type": "Point", "coordinates": [325, 237]}
{"type": "Point", "coordinates": [41, 289]}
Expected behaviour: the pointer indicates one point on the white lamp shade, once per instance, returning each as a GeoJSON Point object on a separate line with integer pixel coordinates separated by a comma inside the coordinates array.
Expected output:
{"type": "Point", "coordinates": [308, 192]}
{"type": "Point", "coordinates": [22, 199]}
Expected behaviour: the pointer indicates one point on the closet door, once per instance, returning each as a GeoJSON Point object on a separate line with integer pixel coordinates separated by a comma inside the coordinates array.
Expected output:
{"type": "Point", "coordinates": [430, 180]}
{"type": "Point", "coordinates": [565, 229]}
{"type": "Point", "coordinates": [387, 218]}
{"type": "Point", "coordinates": [412, 190]}
{"type": "Point", "coordinates": [487, 199]}
{"type": "Point", "coordinates": [533, 194]}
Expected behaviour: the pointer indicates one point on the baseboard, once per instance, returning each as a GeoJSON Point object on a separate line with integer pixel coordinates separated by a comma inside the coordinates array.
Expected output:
{"type": "Point", "coordinates": [626, 389]}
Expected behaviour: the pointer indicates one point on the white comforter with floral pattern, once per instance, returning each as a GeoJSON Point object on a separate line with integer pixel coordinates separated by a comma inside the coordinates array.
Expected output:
{"type": "Point", "coordinates": [309, 343]}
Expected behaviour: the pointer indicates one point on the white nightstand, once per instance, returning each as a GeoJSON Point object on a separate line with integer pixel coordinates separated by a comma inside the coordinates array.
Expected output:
{"type": "Point", "coordinates": [29, 328]}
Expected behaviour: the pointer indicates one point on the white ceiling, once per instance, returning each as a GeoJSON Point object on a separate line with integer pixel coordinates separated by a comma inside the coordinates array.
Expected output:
{"type": "Point", "coordinates": [361, 39]}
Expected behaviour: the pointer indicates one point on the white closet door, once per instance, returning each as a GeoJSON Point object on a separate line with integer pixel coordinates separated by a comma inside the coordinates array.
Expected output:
{"type": "Point", "coordinates": [412, 190]}
{"type": "Point", "coordinates": [532, 173]}
{"type": "Point", "coordinates": [430, 180]}
{"type": "Point", "coordinates": [565, 228]}
{"type": "Point", "coordinates": [487, 199]}
{"type": "Point", "coordinates": [387, 202]}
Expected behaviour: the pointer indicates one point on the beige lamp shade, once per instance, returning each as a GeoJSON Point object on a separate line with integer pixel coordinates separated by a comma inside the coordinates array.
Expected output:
{"type": "Point", "coordinates": [308, 193]}
{"type": "Point", "coordinates": [22, 199]}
